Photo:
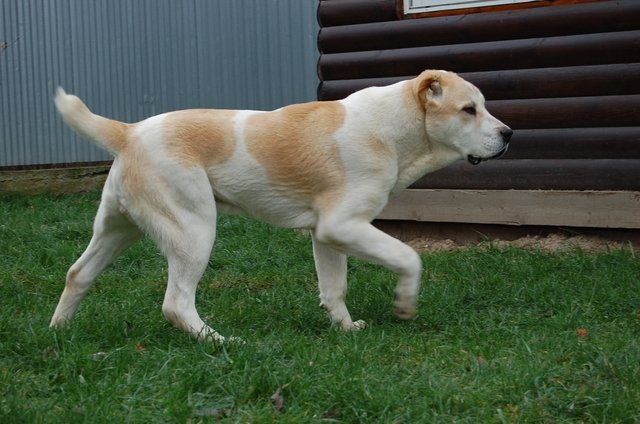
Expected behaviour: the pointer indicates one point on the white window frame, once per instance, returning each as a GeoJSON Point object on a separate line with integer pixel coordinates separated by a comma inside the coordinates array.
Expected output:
{"type": "Point", "coordinates": [425, 6]}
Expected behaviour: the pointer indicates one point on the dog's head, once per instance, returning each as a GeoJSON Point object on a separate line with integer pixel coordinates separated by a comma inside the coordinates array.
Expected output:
{"type": "Point", "coordinates": [456, 117]}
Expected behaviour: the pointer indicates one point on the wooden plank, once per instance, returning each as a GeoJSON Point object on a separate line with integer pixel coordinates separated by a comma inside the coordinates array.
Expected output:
{"type": "Point", "coordinates": [348, 12]}
{"type": "Point", "coordinates": [533, 174]}
{"type": "Point", "coordinates": [607, 16]}
{"type": "Point", "coordinates": [53, 180]}
{"type": "Point", "coordinates": [576, 143]}
{"type": "Point", "coordinates": [568, 112]}
{"type": "Point", "coordinates": [339, 89]}
{"type": "Point", "coordinates": [572, 81]}
{"type": "Point", "coordinates": [601, 209]}
{"type": "Point", "coordinates": [572, 50]}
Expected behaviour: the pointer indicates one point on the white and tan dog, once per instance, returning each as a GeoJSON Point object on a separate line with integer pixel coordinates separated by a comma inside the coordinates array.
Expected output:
{"type": "Point", "coordinates": [325, 166]}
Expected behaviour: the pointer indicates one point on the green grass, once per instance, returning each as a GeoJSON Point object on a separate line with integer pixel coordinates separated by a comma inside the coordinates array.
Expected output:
{"type": "Point", "coordinates": [495, 339]}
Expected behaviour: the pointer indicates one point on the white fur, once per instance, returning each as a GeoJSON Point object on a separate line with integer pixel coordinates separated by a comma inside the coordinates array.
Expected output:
{"type": "Point", "coordinates": [174, 171]}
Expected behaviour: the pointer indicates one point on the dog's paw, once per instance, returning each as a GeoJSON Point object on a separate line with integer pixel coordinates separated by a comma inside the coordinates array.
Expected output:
{"type": "Point", "coordinates": [359, 325]}
{"type": "Point", "coordinates": [404, 310]}
{"type": "Point", "coordinates": [354, 326]}
{"type": "Point", "coordinates": [228, 341]}
{"type": "Point", "coordinates": [404, 306]}
{"type": "Point", "coordinates": [234, 340]}
{"type": "Point", "coordinates": [216, 337]}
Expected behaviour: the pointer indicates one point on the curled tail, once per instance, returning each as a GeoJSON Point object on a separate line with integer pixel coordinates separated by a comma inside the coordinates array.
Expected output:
{"type": "Point", "coordinates": [109, 134]}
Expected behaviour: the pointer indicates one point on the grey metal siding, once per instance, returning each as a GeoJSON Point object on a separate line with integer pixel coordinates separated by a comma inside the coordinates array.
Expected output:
{"type": "Point", "coordinates": [130, 59]}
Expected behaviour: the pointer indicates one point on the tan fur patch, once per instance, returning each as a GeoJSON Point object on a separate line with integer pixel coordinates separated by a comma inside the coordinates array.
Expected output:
{"type": "Point", "coordinates": [379, 149]}
{"type": "Point", "coordinates": [200, 136]}
{"type": "Point", "coordinates": [420, 86]}
{"type": "Point", "coordinates": [417, 89]}
{"type": "Point", "coordinates": [455, 93]}
{"type": "Point", "coordinates": [297, 148]}
{"type": "Point", "coordinates": [115, 132]}
{"type": "Point", "coordinates": [142, 183]}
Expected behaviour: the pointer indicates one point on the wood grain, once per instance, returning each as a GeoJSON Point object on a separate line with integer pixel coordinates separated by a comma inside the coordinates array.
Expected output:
{"type": "Point", "coordinates": [603, 209]}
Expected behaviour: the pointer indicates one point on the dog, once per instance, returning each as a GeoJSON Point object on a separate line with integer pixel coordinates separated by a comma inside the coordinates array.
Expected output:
{"type": "Point", "coordinates": [328, 167]}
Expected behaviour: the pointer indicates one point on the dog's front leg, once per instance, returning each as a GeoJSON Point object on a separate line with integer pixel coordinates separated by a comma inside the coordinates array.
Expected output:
{"type": "Point", "coordinates": [361, 239]}
{"type": "Point", "coordinates": [331, 267]}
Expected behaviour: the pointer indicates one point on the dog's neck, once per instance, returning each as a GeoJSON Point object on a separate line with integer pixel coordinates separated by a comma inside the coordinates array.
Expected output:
{"type": "Point", "coordinates": [416, 155]}
{"type": "Point", "coordinates": [412, 168]}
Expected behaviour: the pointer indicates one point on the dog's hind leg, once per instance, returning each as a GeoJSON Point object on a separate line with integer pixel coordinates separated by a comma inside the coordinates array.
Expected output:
{"type": "Point", "coordinates": [187, 240]}
{"type": "Point", "coordinates": [113, 232]}
{"type": "Point", "coordinates": [331, 267]}
{"type": "Point", "coordinates": [188, 257]}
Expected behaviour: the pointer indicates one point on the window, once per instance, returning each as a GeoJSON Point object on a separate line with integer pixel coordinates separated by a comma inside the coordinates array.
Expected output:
{"type": "Point", "coordinates": [422, 6]}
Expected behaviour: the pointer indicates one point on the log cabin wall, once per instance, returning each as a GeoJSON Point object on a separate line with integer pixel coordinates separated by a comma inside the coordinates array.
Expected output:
{"type": "Point", "coordinates": [565, 77]}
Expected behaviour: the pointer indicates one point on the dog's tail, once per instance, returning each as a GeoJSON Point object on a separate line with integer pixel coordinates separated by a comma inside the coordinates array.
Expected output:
{"type": "Point", "coordinates": [106, 133]}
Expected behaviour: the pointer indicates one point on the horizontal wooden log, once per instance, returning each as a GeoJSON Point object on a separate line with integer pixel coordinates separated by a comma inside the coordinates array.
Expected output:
{"type": "Point", "coordinates": [574, 50]}
{"type": "Point", "coordinates": [571, 112]}
{"type": "Point", "coordinates": [597, 80]}
{"type": "Point", "coordinates": [551, 21]}
{"type": "Point", "coordinates": [576, 143]}
{"type": "Point", "coordinates": [339, 89]}
{"type": "Point", "coordinates": [533, 174]}
{"type": "Point", "coordinates": [348, 12]}
{"type": "Point", "coordinates": [600, 209]}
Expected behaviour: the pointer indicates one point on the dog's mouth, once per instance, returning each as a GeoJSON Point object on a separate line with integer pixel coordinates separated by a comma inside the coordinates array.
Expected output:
{"type": "Point", "coordinates": [474, 160]}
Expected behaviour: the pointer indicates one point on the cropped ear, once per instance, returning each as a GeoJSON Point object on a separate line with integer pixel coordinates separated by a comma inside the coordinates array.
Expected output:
{"type": "Point", "coordinates": [427, 88]}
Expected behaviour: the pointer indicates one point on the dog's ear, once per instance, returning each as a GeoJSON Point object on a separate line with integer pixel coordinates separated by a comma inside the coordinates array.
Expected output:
{"type": "Point", "coordinates": [428, 89]}
{"type": "Point", "coordinates": [435, 89]}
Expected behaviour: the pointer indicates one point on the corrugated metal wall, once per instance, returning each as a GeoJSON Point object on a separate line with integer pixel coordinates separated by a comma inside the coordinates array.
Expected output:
{"type": "Point", "coordinates": [132, 59]}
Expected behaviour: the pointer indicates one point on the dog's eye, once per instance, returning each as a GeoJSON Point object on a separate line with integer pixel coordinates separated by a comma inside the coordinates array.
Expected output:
{"type": "Point", "coordinates": [470, 110]}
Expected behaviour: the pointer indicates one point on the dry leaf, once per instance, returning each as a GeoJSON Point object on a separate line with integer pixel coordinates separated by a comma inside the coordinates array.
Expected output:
{"type": "Point", "coordinates": [50, 352]}
{"type": "Point", "coordinates": [141, 347]}
{"type": "Point", "coordinates": [582, 332]}
{"type": "Point", "coordinates": [278, 400]}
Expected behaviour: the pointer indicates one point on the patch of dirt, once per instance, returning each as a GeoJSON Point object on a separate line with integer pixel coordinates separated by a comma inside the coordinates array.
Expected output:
{"type": "Point", "coordinates": [552, 242]}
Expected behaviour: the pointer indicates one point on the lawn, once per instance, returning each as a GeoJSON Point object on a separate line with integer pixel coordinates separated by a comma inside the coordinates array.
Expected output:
{"type": "Point", "coordinates": [502, 334]}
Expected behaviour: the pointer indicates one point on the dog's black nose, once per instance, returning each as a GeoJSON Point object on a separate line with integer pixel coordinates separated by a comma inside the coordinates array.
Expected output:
{"type": "Point", "coordinates": [506, 134]}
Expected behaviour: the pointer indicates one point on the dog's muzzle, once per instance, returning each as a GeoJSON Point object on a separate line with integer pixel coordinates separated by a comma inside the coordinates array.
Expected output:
{"type": "Point", "coordinates": [506, 134]}
{"type": "Point", "coordinates": [474, 160]}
